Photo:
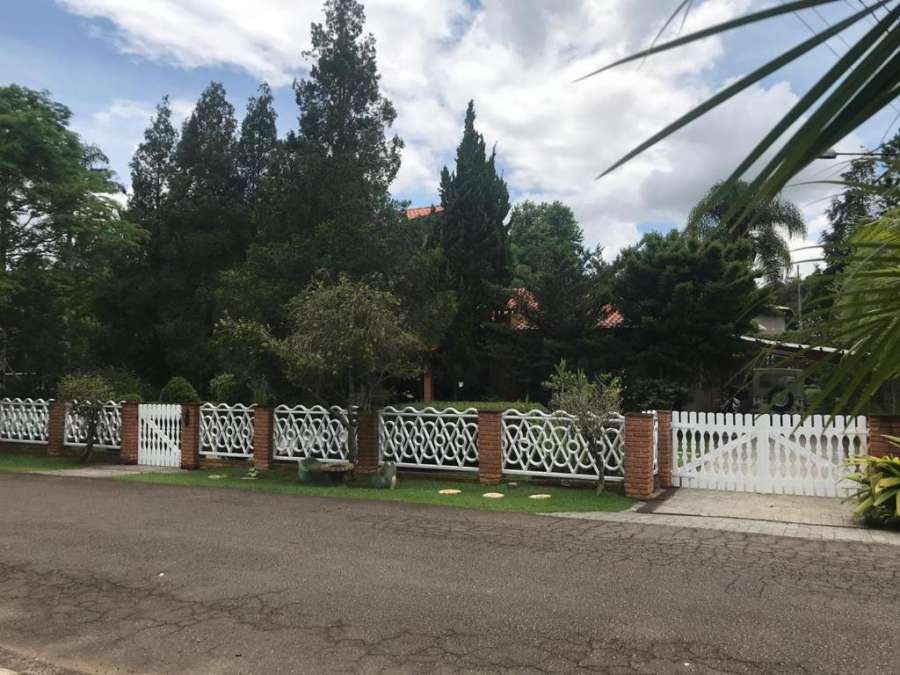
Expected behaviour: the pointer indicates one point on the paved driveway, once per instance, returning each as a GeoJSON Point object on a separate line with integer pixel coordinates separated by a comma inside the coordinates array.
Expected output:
{"type": "Point", "coordinates": [101, 576]}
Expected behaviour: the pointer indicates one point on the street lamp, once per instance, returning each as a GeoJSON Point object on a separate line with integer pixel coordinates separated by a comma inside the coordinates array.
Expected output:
{"type": "Point", "coordinates": [834, 154]}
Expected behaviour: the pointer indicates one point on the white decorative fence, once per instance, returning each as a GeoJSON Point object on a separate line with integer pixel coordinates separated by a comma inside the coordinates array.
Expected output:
{"type": "Point", "coordinates": [24, 420]}
{"type": "Point", "coordinates": [302, 432]}
{"type": "Point", "coordinates": [771, 454]}
{"type": "Point", "coordinates": [430, 438]}
{"type": "Point", "coordinates": [108, 433]}
{"type": "Point", "coordinates": [226, 430]}
{"type": "Point", "coordinates": [536, 443]}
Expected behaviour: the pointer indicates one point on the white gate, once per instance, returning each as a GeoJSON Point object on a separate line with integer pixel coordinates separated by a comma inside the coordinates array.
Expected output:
{"type": "Point", "coordinates": [770, 454]}
{"type": "Point", "coordinates": [159, 434]}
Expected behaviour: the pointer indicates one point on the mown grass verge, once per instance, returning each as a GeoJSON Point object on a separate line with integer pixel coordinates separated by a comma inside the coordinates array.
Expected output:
{"type": "Point", "coordinates": [411, 490]}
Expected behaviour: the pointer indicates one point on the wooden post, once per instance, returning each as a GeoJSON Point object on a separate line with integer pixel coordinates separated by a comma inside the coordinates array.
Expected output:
{"type": "Point", "coordinates": [56, 429]}
{"type": "Point", "coordinates": [263, 426]}
{"type": "Point", "coordinates": [639, 456]}
{"type": "Point", "coordinates": [490, 447]}
{"type": "Point", "coordinates": [190, 436]}
{"type": "Point", "coordinates": [128, 452]}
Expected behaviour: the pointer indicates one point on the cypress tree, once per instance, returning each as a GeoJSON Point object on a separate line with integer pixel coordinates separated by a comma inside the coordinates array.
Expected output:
{"type": "Point", "coordinates": [474, 239]}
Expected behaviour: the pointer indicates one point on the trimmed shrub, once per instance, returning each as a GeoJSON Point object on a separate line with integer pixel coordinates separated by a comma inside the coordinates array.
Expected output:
{"type": "Point", "coordinates": [179, 390]}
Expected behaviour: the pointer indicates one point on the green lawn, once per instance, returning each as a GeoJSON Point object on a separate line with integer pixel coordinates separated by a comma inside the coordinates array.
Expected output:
{"type": "Point", "coordinates": [10, 463]}
{"type": "Point", "coordinates": [408, 490]}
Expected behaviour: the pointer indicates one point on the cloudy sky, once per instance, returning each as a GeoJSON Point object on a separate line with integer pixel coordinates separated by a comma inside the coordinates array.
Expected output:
{"type": "Point", "coordinates": [112, 60]}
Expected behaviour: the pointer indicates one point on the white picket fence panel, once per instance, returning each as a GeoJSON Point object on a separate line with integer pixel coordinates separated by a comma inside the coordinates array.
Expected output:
{"type": "Point", "coordinates": [24, 420]}
{"type": "Point", "coordinates": [302, 432]}
{"type": "Point", "coordinates": [769, 454]}
{"type": "Point", "coordinates": [159, 434]}
{"type": "Point", "coordinates": [108, 433]}
{"type": "Point", "coordinates": [226, 430]}
{"type": "Point", "coordinates": [429, 438]}
{"type": "Point", "coordinates": [537, 443]}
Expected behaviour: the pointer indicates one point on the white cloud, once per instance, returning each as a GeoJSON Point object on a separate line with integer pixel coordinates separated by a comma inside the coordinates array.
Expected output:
{"type": "Point", "coordinates": [518, 61]}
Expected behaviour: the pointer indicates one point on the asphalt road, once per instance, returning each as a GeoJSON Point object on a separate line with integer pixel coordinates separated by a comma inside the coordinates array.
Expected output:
{"type": "Point", "coordinates": [100, 576]}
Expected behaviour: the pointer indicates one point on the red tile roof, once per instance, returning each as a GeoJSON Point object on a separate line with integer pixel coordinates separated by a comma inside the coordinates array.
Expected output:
{"type": "Point", "coordinates": [522, 297]}
{"type": "Point", "coordinates": [419, 211]}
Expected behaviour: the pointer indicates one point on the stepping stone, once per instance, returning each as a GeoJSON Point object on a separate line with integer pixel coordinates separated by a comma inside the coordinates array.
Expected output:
{"type": "Point", "coordinates": [493, 495]}
{"type": "Point", "coordinates": [449, 491]}
{"type": "Point", "coordinates": [216, 476]}
{"type": "Point", "coordinates": [540, 496]}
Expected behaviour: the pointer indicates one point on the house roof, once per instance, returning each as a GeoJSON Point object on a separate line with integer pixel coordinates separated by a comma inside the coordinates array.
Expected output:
{"type": "Point", "coordinates": [610, 316]}
{"type": "Point", "coordinates": [419, 211]}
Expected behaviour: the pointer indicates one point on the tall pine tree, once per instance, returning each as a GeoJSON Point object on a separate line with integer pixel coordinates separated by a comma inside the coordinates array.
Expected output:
{"type": "Point", "coordinates": [258, 143]}
{"type": "Point", "coordinates": [207, 232]}
{"type": "Point", "coordinates": [474, 239]}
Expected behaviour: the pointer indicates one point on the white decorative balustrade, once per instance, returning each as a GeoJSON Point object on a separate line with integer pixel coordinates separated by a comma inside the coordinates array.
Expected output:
{"type": "Point", "coordinates": [24, 420]}
{"type": "Point", "coordinates": [108, 433]}
{"type": "Point", "coordinates": [430, 438]}
{"type": "Point", "coordinates": [537, 443]}
{"type": "Point", "coordinates": [226, 430]}
{"type": "Point", "coordinates": [302, 432]}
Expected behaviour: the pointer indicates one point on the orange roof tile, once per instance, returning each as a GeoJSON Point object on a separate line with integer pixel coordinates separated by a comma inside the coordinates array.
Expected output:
{"type": "Point", "coordinates": [419, 211]}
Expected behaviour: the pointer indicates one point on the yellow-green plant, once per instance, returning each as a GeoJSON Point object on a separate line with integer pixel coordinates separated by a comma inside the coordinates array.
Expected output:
{"type": "Point", "coordinates": [878, 493]}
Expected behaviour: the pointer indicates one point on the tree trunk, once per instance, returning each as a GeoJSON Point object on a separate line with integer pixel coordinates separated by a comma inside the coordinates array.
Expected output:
{"type": "Point", "coordinates": [352, 430]}
{"type": "Point", "coordinates": [89, 444]}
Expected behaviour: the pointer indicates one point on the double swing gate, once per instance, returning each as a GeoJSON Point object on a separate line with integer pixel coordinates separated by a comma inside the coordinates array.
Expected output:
{"type": "Point", "coordinates": [769, 454]}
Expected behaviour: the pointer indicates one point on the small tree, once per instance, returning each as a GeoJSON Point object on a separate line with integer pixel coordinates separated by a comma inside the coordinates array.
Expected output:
{"type": "Point", "coordinates": [86, 394]}
{"type": "Point", "coordinates": [347, 339]}
{"type": "Point", "coordinates": [591, 401]}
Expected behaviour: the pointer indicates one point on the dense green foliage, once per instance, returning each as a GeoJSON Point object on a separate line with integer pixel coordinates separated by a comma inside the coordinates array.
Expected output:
{"type": "Point", "coordinates": [266, 265]}
{"type": "Point", "coordinates": [683, 301]}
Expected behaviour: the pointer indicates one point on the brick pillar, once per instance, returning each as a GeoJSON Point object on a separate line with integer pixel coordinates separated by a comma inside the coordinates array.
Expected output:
{"type": "Point", "coordinates": [263, 426]}
{"type": "Point", "coordinates": [368, 451]}
{"type": "Point", "coordinates": [666, 456]}
{"type": "Point", "coordinates": [490, 446]}
{"type": "Point", "coordinates": [190, 436]}
{"type": "Point", "coordinates": [56, 429]}
{"type": "Point", "coordinates": [639, 456]}
{"type": "Point", "coordinates": [879, 426]}
{"type": "Point", "coordinates": [128, 453]}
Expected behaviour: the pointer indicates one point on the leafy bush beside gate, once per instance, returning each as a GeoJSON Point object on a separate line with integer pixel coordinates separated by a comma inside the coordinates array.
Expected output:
{"type": "Point", "coordinates": [878, 494]}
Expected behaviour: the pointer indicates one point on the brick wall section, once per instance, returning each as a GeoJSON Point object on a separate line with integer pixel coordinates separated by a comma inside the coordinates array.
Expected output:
{"type": "Point", "coordinates": [15, 447]}
{"type": "Point", "coordinates": [367, 443]}
{"type": "Point", "coordinates": [130, 432]}
{"type": "Point", "coordinates": [665, 448]}
{"type": "Point", "coordinates": [190, 436]}
{"type": "Point", "coordinates": [879, 426]}
{"type": "Point", "coordinates": [490, 446]}
{"type": "Point", "coordinates": [263, 424]}
{"type": "Point", "coordinates": [56, 429]}
{"type": "Point", "coordinates": [639, 456]}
